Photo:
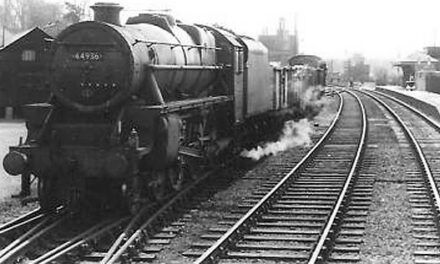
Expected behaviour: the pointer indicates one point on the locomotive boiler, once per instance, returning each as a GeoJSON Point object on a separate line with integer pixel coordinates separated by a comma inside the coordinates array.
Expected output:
{"type": "Point", "coordinates": [138, 109]}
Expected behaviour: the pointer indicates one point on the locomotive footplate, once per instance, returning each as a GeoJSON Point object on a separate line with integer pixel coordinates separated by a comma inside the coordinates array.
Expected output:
{"type": "Point", "coordinates": [189, 104]}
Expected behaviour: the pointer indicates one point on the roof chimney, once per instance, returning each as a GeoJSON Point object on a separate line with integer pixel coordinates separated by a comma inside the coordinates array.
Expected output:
{"type": "Point", "coordinates": [107, 12]}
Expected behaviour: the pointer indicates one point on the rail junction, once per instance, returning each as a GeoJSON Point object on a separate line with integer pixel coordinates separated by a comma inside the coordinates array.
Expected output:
{"type": "Point", "coordinates": [310, 208]}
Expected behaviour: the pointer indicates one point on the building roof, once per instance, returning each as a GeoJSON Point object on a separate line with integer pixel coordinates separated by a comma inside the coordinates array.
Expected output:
{"type": "Point", "coordinates": [22, 35]}
{"type": "Point", "coordinates": [51, 30]}
{"type": "Point", "coordinates": [417, 57]}
{"type": "Point", "coordinates": [303, 59]}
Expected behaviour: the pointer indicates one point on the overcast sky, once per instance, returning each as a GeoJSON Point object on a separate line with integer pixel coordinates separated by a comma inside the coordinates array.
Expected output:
{"type": "Point", "coordinates": [329, 28]}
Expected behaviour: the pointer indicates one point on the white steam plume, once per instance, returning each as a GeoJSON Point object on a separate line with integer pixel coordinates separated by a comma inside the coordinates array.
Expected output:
{"type": "Point", "coordinates": [294, 134]}
{"type": "Point", "coordinates": [312, 98]}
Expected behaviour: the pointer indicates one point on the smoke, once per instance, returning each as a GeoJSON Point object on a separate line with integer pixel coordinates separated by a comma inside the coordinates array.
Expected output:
{"type": "Point", "coordinates": [312, 97]}
{"type": "Point", "coordinates": [303, 91]}
{"type": "Point", "coordinates": [305, 102]}
{"type": "Point", "coordinates": [310, 104]}
{"type": "Point", "coordinates": [294, 134]}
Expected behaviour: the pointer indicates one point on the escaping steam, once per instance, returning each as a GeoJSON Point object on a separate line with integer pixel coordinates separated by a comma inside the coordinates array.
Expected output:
{"type": "Point", "coordinates": [312, 102]}
{"type": "Point", "coordinates": [306, 102]}
{"type": "Point", "coordinates": [294, 134]}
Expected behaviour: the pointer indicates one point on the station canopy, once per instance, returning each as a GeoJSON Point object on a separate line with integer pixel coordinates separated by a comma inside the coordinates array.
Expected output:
{"type": "Point", "coordinates": [418, 57]}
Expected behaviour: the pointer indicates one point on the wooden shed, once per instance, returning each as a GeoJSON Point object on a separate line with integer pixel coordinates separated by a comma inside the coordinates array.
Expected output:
{"type": "Point", "coordinates": [23, 66]}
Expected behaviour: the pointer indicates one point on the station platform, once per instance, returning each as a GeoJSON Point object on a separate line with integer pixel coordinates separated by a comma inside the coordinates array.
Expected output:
{"type": "Point", "coordinates": [10, 132]}
{"type": "Point", "coordinates": [427, 102]}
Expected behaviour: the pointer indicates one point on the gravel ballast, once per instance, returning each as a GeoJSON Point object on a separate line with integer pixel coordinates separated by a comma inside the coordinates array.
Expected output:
{"type": "Point", "coordinates": [388, 229]}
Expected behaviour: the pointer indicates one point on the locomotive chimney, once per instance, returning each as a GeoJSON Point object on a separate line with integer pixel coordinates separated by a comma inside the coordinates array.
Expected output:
{"type": "Point", "coordinates": [107, 12]}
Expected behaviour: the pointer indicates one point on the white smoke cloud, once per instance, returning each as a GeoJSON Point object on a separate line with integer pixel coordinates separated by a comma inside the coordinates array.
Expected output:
{"type": "Point", "coordinates": [312, 97]}
{"type": "Point", "coordinates": [294, 134]}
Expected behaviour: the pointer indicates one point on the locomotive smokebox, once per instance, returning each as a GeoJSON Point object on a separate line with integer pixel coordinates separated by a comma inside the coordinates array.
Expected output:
{"type": "Point", "coordinates": [107, 12]}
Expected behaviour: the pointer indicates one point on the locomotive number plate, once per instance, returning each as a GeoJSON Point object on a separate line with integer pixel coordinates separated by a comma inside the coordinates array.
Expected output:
{"type": "Point", "coordinates": [87, 56]}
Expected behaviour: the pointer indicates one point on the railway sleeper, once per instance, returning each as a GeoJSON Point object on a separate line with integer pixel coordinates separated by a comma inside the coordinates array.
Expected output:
{"type": "Point", "coordinates": [428, 244]}
{"type": "Point", "coordinates": [344, 258]}
{"type": "Point", "coordinates": [297, 212]}
{"type": "Point", "coordinates": [305, 202]}
{"type": "Point", "coordinates": [288, 256]}
{"type": "Point", "coordinates": [345, 249]}
{"type": "Point", "coordinates": [270, 246]}
{"type": "Point", "coordinates": [427, 253]}
{"type": "Point", "coordinates": [348, 240]}
{"type": "Point", "coordinates": [298, 224]}
{"type": "Point", "coordinates": [431, 229]}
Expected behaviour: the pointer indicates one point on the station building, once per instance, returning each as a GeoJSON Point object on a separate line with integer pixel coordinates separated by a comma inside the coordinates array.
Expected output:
{"type": "Point", "coordinates": [421, 70]}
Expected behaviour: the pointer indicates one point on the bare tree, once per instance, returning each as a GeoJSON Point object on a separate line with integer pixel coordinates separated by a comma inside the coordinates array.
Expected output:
{"type": "Point", "coordinates": [75, 10]}
{"type": "Point", "coordinates": [12, 14]}
{"type": "Point", "coordinates": [381, 75]}
{"type": "Point", "coordinates": [20, 15]}
{"type": "Point", "coordinates": [39, 13]}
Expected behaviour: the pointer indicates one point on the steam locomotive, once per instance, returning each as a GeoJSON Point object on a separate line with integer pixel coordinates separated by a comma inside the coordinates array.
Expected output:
{"type": "Point", "coordinates": [136, 110]}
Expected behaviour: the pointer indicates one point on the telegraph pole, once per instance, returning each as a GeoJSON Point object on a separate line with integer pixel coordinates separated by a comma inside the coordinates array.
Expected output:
{"type": "Point", "coordinates": [296, 51]}
{"type": "Point", "coordinates": [3, 23]}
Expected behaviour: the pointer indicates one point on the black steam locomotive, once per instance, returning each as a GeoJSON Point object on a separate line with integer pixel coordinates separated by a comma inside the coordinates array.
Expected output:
{"type": "Point", "coordinates": [138, 109]}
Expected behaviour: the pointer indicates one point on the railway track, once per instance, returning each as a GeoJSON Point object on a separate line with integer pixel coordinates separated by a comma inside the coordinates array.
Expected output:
{"type": "Point", "coordinates": [18, 234]}
{"type": "Point", "coordinates": [136, 238]}
{"type": "Point", "coordinates": [423, 133]}
{"type": "Point", "coordinates": [299, 217]}
{"type": "Point", "coordinates": [318, 217]}
{"type": "Point", "coordinates": [53, 237]}
{"type": "Point", "coordinates": [26, 238]}
{"type": "Point", "coordinates": [109, 241]}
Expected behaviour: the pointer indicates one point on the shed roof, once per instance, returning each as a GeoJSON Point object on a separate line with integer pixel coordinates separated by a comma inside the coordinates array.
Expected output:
{"type": "Point", "coordinates": [417, 57]}
{"type": "Point", "coordinates": [305, 59]}
{"type": "Point", "coordinates": [22, 35]}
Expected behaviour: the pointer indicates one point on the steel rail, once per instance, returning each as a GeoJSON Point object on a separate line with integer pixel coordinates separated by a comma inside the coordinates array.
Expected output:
{"type": "Point", "coordinates": [235, 232]}
{"type": "Point", "coordinates": [68, 243]}
{"type": "Point", "coordinates": [156, 217]}
{"type": "Point", "coordinates": [22, 223]}
{"type": "Point", "coordinates": [432, 184]}
{"type": "Point", "coordinates": [21, 219]}
{"type": "Point", "coordinates": [116, 250]}
{"type": "Point", "coordinates": [27, 218]}
{"type": "Point", "coordinates": [427, 118]}
{"type": "Point", "coordinates": [21, 243]}
{"type": "Point", "coordinates": [79, 240]}
{"type": "Point", "coordinates": [124, 235]}
{"type": "Point", "coordinates": [23, 237]}
{"type": "Point", "coordinates": [321, 245]}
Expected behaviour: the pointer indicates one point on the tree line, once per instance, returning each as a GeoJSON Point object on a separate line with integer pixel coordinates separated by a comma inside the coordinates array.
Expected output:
{"type": "Point", "coordinates": [19, 15]}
